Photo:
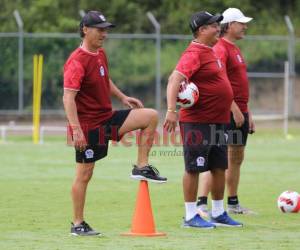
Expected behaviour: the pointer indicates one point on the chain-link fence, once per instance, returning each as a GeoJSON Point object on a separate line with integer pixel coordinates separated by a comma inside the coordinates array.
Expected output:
{"type": "Point", "coordinates": [133, 60]}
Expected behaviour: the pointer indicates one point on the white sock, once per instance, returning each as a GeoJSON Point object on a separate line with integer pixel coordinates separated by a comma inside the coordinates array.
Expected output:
{"type": "Point", "coordinates": [217, 208]}
{"type": "Point", "coordinates": [190, 210]}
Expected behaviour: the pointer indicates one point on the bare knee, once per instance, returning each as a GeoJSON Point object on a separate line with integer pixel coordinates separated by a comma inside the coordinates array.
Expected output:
{"type": "Point", "coordinates": [151, 120]}
{"type": "Point", "coordinates": [84, 175]}
{"type": "Point", "coordinates": [236, 155]}
{"type": "Point", "coordinates": [153, 114]}
{"type": "Point", "coordinates": [87, 176]}
{"type": "Point", "coordinates": [237, 160]}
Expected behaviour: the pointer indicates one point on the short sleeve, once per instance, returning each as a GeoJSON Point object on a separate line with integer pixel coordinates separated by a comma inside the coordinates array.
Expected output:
{"type": "Point", "coordinates": [188, 64]}
{"type": "Point", "coordinates": [73, 75]}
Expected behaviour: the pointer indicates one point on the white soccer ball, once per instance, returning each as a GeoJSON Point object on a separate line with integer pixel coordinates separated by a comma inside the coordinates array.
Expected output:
{"type": "Point", "coordinates": [289, 202]}
{"type": "Point", "coordinates": [188, 94]}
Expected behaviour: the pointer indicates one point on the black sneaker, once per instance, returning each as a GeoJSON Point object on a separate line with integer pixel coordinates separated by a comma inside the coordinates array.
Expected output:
{"type": "Point", "coordinates": [83, 229]}
{"type": "Point", "coordinates": [147, 173]}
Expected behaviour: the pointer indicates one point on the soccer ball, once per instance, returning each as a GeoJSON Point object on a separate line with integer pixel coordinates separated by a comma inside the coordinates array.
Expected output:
{"type": "Point", "coordinates": [188, 94]}
{"type": "Point", "coordinates": [289, 202]}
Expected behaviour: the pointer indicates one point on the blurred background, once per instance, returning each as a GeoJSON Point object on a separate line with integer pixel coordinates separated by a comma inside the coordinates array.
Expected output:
{"type": "Point", "coordinates": [143, 50]}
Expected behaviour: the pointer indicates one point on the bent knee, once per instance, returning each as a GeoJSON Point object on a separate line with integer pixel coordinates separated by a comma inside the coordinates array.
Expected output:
{"type": "Point", "coordinates": [152, 113]}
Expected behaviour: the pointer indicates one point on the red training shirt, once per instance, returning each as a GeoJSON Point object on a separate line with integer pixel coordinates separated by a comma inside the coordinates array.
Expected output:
{"type": "Point", "coordinates": [236, 69]}
{"type": "Point", "coordinates": [87, 73]}
{"type": "Point", "coordinates": [199, 64]}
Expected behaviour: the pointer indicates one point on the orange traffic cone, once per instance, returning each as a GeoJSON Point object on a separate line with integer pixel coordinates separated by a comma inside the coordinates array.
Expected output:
{"type": "Point", "coordinates": [143, 221]}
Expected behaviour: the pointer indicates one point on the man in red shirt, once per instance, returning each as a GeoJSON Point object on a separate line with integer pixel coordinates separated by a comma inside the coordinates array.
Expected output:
{"type": "Point", "coordinates": [233, 28]}
{"type": "Point", "coordinates": [92, 122]}
{"type": "Point", "coordinates": [202, 125]}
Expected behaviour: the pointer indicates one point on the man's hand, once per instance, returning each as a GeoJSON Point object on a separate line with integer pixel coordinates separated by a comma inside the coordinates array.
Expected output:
{"type": "Point", "coordinates": [78, 138]}
{"type": "Point", "coordinates": [170, 121]}
{"type": "Point", "coordinates": [238, 118]}
{"type": "Point", "coordinates": [132, 102]}
{"type": "Point", "coordinates": [251, 124]}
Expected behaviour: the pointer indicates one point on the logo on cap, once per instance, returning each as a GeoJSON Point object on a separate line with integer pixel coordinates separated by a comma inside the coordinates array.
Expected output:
{"type": "Point", "coordinates": [102, 18]}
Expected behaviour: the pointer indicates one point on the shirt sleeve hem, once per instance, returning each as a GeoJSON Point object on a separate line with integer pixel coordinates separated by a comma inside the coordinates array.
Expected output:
{"type": "Point", "coordinates": [72, 89]}
{"type": "Point", "coordinates": [181, 74]}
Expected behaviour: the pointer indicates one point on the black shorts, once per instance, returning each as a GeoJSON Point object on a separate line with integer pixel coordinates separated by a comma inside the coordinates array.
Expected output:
{"type": "Point", "coordinates": [204, 146]}
{"type": "Point", "coordinates": [237, 136]}
{"type": "Point", "coordinates": [98, 138]}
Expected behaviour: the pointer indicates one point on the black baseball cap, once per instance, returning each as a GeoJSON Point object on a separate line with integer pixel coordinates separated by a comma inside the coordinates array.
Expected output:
{"type": "Point", "coordinates": [95, 19]}
{"type": "Point", "coordinates": [202, 18]}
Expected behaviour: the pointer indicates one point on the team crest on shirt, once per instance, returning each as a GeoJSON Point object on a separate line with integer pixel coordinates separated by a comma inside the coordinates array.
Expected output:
{"type": "Point", "coordinates": [89, 154]}
{"type": "Point", "coordinates": [240, 59]}
{"type": "Point", "coordinates": [200, 161]}
{"type": "Point", "coordinates": [102, 71]}
{"type": "Point", "coordinates": [219, 63]}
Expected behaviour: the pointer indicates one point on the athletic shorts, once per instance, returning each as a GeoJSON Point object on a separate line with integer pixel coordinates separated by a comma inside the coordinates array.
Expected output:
{"type": "Point", "coordinates": [237, 136]}
{"type": "Point", "coordinates": [204, 146]}
{"type": "Point", "coordinates": [98, 138]}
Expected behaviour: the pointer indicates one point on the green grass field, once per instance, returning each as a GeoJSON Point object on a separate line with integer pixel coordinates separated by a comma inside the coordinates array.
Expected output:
{"type": "Point", "coordinates": [35, 204]}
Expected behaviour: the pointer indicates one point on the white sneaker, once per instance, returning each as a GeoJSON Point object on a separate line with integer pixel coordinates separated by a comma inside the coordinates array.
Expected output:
{"type": "Point", "coordinates": [238, 209]}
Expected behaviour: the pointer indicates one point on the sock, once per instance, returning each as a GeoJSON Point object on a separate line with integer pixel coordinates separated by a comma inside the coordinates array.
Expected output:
{"type": "Point", "coordinates": [190, 210]}
{"type": "Point", "coordinates": [77, 224]}
{"type": "Point", "coordinates": [217, 208]}
{"type": "Point", "coordinates": [232, 200]}
{"type": "Point", "coordinates": [202, 200]}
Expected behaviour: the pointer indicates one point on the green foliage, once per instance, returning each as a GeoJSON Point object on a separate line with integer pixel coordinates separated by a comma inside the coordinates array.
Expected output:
{"type": "Point", "coordinates": [132, 62]}
{"type": "Point", "coordinates": [130, 15]}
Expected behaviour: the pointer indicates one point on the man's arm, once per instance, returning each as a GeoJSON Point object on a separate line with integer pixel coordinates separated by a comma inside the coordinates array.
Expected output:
{"type": "Point", "coordinates": [172, 92]}
{"type": "Point", "coordinates": [115, 91]}
{"type": "Point", "coordinates": [238, 116]}
{"type": "Point", "coordinates": [126, 100]}
{"type": "Point", "coordinates": [71, 112]}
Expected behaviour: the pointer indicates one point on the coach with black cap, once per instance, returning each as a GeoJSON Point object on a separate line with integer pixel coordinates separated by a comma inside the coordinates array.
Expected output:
{"type": "Point", "coordinates": [202, 125]}
{"type": "Point", "coordinates": [92, 122]}
{"type": "Point", "coordinates": [94, 19]}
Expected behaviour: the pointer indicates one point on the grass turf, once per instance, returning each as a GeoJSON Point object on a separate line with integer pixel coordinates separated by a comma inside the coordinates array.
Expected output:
{"type": "Point", "coordinates": [35, 205]}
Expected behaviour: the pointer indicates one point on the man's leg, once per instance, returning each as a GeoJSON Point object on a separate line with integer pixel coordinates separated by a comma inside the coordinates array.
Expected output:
{"type": "Point", "coordinates": [217, 191]}
{"type": "Point", "coordinates": [218, 215]}
{"type": "Point", "coordinates": [204, 188]}
{"type": "Point", "coordinates": [235, 159]}
{"type": "Point", "coordinates": [190, 186]}
{"type": "Point", "coordinates": [84, 172]}
{"type": "Point", "coordinates": [204, 184]}
{"type": "Point", "coordinates": [146, 120]}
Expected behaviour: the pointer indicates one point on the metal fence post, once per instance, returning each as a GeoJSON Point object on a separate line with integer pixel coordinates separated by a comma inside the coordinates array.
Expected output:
{"type": "Point", "coordinates": [158, 53]}
{"type": "Point", "coordinates": [81, 13]}
{"type": "Point", "coordinates": [20, 62]}
{"type": "Point", "coordinates": [291, 59]}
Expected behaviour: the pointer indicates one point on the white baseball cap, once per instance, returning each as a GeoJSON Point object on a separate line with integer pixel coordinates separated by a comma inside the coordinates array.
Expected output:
{"type": "Point", "coordinates": [235, 15]}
